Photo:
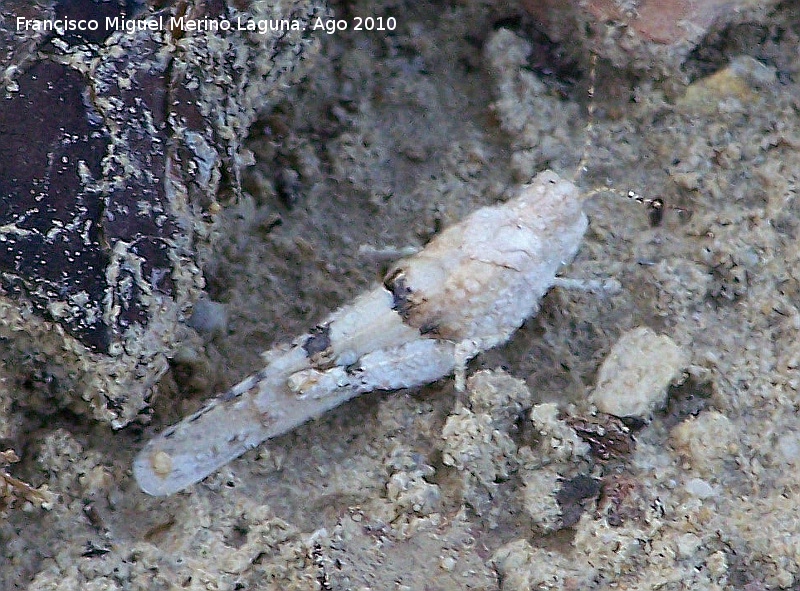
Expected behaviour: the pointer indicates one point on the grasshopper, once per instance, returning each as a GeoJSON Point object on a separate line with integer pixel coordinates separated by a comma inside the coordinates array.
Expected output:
{"type": "Point", "coordinates": [467, 291]}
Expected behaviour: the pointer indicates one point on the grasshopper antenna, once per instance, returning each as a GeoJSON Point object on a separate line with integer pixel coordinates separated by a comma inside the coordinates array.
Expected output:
{"type": "Point", "coordinates": [655, 206]}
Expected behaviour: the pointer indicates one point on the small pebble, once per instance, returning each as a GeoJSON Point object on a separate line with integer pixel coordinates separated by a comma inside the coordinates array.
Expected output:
{"type": "Point", "coordinates": [633, 380]}
{"type": "Point", "coordinates": [699, 488]}
{"type": "Point", "coordinates": [706, 441]}
{"type": "Point", "coordinates": [209, 318]}
{"type": "Point", "coordinates": [448, 563]}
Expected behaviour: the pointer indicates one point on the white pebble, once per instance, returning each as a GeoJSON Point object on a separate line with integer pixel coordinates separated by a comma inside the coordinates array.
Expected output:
{"type": "Point", "coordinates": [699, 488]}
{"type": "Point", "coordinates": [633, 379]}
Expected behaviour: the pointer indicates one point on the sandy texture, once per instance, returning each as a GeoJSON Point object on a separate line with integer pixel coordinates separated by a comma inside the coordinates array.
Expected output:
{"type": "Point", "coordinates": [518, 483]}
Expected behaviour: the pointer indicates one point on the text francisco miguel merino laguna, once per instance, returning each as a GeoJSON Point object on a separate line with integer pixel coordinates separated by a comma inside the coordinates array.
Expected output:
{"type": "Point", "coordinates": [159, 22]}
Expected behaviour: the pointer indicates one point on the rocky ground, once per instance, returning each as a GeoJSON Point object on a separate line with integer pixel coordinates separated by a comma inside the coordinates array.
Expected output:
{"type": "Point", "coordinates": [521, 482]}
